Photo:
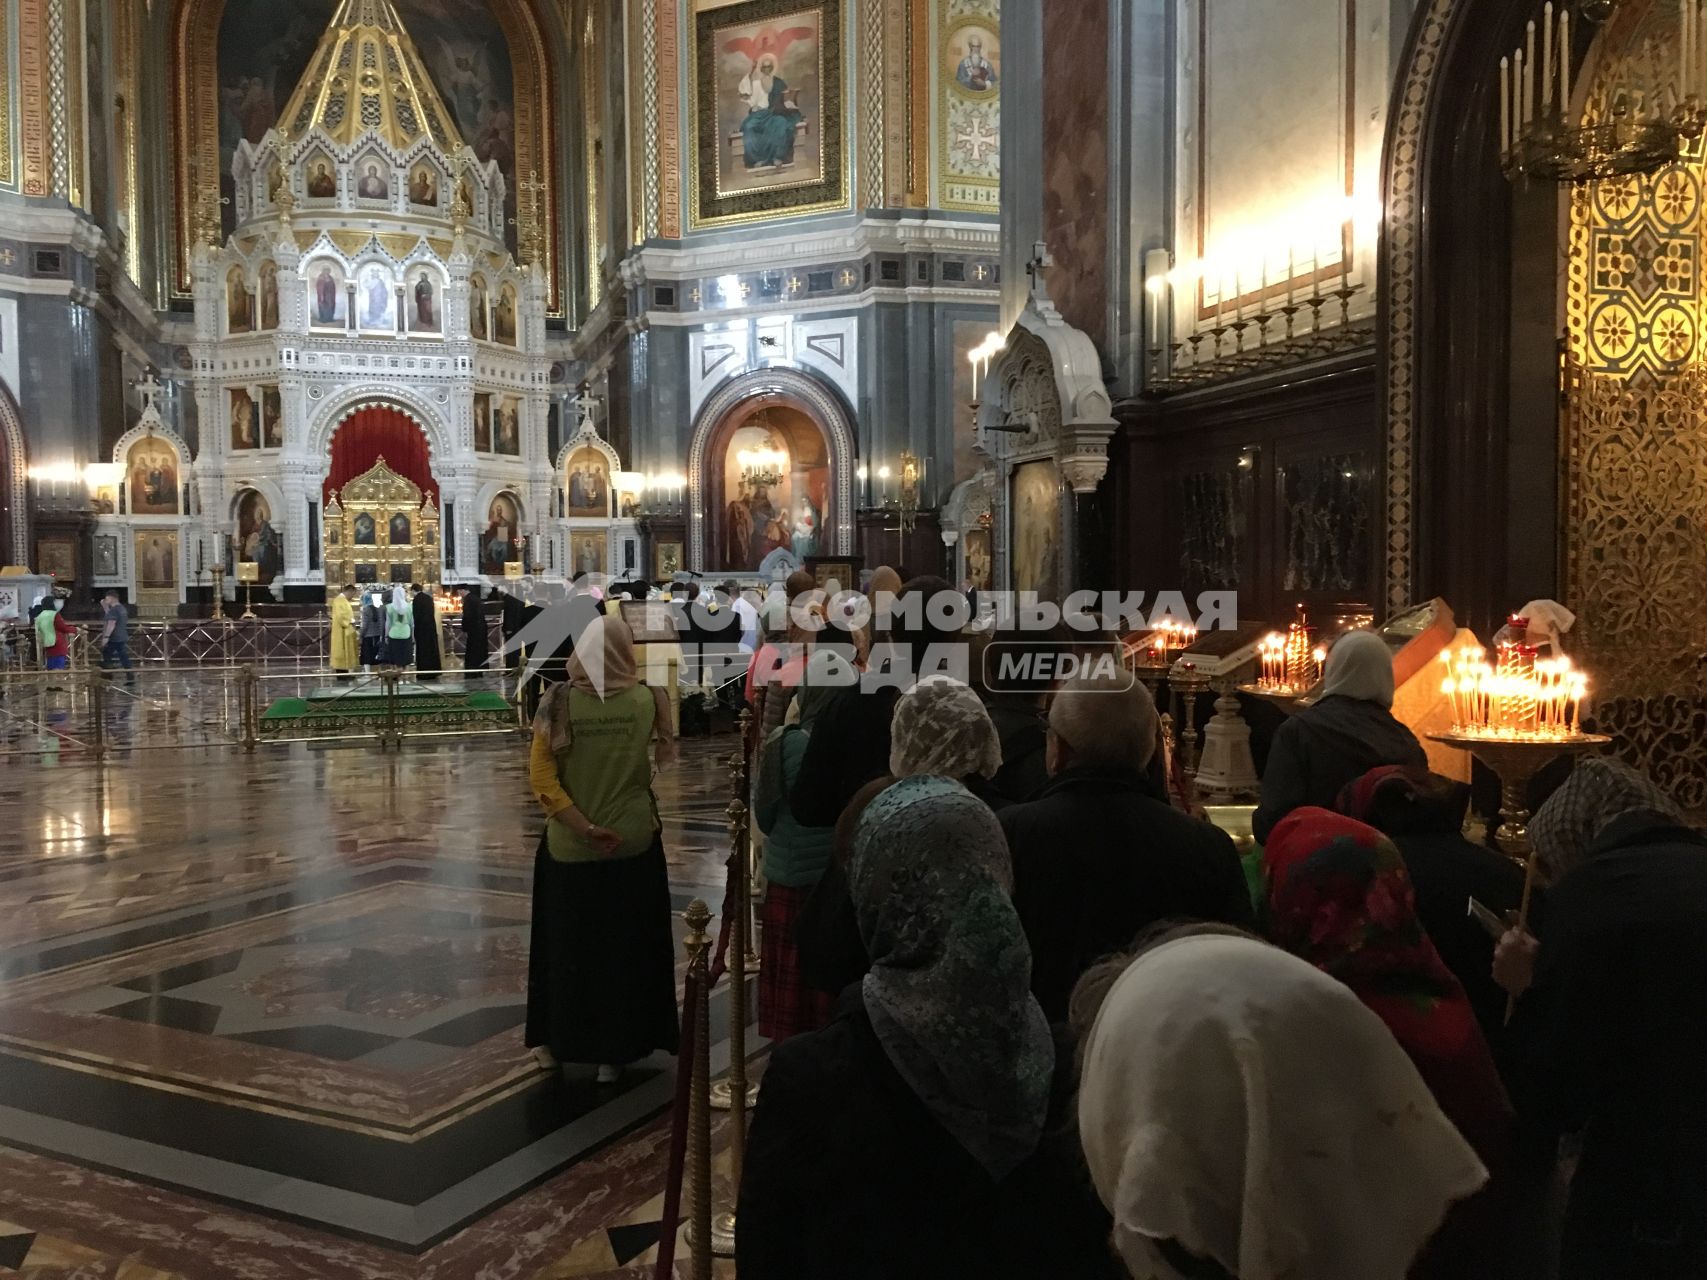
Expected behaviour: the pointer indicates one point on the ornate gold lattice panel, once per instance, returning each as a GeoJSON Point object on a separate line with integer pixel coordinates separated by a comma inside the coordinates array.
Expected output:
{"type": "Point", "coordinates": [381, 531]}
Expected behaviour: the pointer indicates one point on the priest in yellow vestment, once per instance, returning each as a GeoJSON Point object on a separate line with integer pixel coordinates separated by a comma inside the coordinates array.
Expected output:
{"type": "Point", "coordinates": [346, 642]}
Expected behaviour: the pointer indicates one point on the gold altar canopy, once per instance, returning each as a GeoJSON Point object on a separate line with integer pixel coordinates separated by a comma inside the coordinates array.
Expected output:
{"type": "Point", "coordinates": [381, 531]}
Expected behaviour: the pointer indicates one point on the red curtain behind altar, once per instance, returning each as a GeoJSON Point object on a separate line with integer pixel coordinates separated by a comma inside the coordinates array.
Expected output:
{"type": "Point", "coordinates": [368, 435]}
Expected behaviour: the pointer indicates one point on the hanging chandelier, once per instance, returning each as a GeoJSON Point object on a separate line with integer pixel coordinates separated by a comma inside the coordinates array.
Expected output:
{"type": "Point", "coordinates": [762, 468]}
{"type": "Point", "coordinates": [1651, 113]}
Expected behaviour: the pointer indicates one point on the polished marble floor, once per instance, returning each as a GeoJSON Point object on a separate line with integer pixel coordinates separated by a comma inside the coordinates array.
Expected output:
{"type": "Point", "coordinates": [260, 1015]}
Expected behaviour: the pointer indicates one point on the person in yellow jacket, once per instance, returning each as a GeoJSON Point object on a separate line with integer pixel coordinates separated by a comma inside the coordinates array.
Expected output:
{"type": "Point", "coordinates": [346, 641]}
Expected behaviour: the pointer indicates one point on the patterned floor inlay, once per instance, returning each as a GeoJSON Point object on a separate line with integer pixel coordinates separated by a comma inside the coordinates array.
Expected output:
{"type": "Point", "coordinates": [261, 1017]}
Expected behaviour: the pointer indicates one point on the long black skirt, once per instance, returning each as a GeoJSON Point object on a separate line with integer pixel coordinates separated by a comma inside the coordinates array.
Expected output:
{"type": "Point", "coordinates": [601, 963]}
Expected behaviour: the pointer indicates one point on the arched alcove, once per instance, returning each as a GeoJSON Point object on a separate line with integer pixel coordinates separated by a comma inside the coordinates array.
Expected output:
{"type": "Point", "coordinates": [14, 497]}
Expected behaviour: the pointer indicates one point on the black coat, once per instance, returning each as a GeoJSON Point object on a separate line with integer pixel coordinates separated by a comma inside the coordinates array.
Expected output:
{"type": "Point", "coordinates": [429, 660]}
{"type": "Point", "coordinates": [1024, 735]}
{"type": "Point", "coordinates": [1611, 1044]}
{"type": "Point", "coordinates": [849, 1177]}
{"type": "Point", "coordinates": [1099, 856]}
{"type": "Point", "coordinates": [849, 748]}
{"type": "Point", "coordinates": [1319, 750]}
{"type": "Point", "coordinates": [477, 642]}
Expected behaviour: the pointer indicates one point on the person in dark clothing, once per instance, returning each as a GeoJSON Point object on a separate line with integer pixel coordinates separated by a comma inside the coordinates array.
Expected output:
{"type": "Point", "coordinates": [1608, 1023]}
{"type": "Point", "coordinates": [1016, 707]}
{"type": "Point", "coordinates": [851, 744]}
{"type": "Point", "coordinates": [920, 1133]}
{"type": "Point", "coordinates": [832, 955]}
{"type": "Point", "coordinates": [1423, 814]}
{"type": "Point", "coordinates": [1100, 854]}
{"type": "Point", "coordinates": [429, 659]}
{"type": "Point", "coordinates": [1350, 731]}
{"type": "Point", "coordinates": [476, 642]}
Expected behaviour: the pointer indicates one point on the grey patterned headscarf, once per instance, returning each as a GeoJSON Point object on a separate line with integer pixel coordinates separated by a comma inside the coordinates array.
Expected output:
{"type": "Point", "coordinates": [949, 992]}
{"type": "Point", "coordinates": [941, 727]}
{"type": "Point", "coordinates": [1597, 791]}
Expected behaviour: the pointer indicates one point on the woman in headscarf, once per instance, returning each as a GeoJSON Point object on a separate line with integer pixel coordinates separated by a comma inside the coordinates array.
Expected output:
{"type": "Point", "coordinates": [1608, 1024]}
{"type": "Point", "coordinates": [904, 1138]}
{"type": "Point", "coordinates": [1245, 1117]}
{"type": "Point", "coordinates": [601, 968]}
{"type": "Point", "coordinates": [1423, 814]}
{"type": "Point", "coordinates": [399, 629]}
{"type": "Point", "coordinates": [429, 660]}
{"type": "Point", "coordinates": [1340, 897]}
{"type": "Point", "coordinates": [1348, 732]}
{"type": "Point", "coordinates": [794, 860]}
{"type": "Point", "coordinates": [373, 629]}
{"type": "Point", "coordinates": [476, 642]}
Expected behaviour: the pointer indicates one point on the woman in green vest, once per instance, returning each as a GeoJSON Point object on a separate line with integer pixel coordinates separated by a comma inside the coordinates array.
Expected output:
{"type": "Point", "coordinates": [399, 629]}
{"type": "Point", "coordinates": [601, 969]}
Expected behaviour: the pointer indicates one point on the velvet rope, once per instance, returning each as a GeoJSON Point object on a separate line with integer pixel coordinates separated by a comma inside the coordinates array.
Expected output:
{"type": "Point", "coordinates": [670, 1223]}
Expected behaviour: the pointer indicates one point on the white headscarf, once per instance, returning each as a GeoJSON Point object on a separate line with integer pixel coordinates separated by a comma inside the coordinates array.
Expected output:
{"type": "Point", "coordinates": [942, 729]}
{"type": "Point", "coordinates": [1248, 1107]}
{"type": "Point", "coordinates": [399, 599]}
{"type": "Point", "coordinates": [1360, 665]}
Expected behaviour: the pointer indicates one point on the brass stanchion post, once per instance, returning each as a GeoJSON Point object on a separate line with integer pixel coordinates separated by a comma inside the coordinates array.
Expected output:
{"type": "Point", "coordinates": [743, 961]}
{"type": "Point", "coordinates": [98, 710]}
{"type": "Point", "coordinates": [697, 918]}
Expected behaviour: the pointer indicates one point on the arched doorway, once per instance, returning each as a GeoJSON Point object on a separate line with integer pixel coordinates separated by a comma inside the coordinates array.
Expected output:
{"type": "Point", "coordinates": [797, 433]}
{"type": "Point", "coordinates": [14, 539]}
{"type": "Point", "coordinates": [381, 519]}
{"type": "Point", "coordinates": [767, 485]}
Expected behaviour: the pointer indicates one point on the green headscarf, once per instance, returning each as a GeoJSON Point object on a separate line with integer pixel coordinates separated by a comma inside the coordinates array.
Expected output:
{"type": "Point", "coordinates": [949, 991]}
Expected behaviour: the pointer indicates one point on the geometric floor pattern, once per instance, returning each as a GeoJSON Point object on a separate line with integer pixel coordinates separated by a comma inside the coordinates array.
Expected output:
{"type": "Point", "coordinates": [260, 1016]}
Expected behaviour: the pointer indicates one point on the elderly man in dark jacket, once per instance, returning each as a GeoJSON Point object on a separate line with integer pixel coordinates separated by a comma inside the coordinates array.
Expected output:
{"type": "Point", "coordinates": [1100, 854]}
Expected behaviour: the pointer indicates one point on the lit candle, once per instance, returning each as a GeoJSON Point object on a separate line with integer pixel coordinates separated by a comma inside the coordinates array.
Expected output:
{"type": "Point", "coordinates": [1505, 106]}
{"type": "Point", "coordinates": [1529, 74]}
{"type": "Point", "coordinates": [1546, 57]}
{"type": "Point", "coordinates": [1564, 61]}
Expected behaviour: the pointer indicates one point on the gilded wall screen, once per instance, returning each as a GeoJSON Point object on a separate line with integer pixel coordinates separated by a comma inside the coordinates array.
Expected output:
{"type": "Point", "coordinates": [1635, 451]}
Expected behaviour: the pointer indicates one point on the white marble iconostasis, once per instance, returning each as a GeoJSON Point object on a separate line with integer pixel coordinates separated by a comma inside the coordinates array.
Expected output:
{"type": "Point", "coordinates": [147, 503]}
{"type": "Point", "coordinates": [599, 505]}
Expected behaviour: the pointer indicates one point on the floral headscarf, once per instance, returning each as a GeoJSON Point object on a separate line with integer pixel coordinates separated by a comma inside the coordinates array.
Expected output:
{"type": "Point", "coordinates": [949, 991]}
{"type": "Point", "coordinates": [1340, 897]}
{"type": "Point", "coordinates": [1598, 790]}
{"type": "Point", "coordinates": [942, 727]}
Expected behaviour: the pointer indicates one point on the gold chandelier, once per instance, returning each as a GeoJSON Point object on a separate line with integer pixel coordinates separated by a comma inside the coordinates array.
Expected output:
{"type": "Point", "coordinates": [1650, 116]}
{"type": "Point", "coordinates": [1648, 122]}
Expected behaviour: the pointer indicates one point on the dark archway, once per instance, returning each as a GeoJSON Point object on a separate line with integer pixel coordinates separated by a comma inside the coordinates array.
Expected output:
{"type": "Point", "coordinates": [794, 512]}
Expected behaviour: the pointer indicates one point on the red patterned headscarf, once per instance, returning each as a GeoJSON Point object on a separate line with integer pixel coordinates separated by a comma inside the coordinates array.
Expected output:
{"type": "Point", "coordinates": [1339, 896]}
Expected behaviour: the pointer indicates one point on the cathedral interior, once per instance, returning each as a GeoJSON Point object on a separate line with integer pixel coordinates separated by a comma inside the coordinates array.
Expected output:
{"type": "Point", "coordinates": [1363, 313]}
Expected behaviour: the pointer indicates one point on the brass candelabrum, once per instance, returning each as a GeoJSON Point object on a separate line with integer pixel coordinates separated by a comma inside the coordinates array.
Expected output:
{"type": "Point", "coordinates": [1276, 340]}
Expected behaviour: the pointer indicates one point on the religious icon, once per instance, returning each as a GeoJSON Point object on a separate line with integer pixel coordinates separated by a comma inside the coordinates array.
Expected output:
{"type": "Point", "coordinates": [424, 186]}
{"type": "Point", "coordinates": [1036, 514]}
{"type": "Point", "coordinates": [269, 295]}
{"type": "Point", "coordinates": [328, 303]}
{"type": "Point", "coordinates": [497, 544]}
{"type": "Point", "coordinates": [667, 560]}
{"type": "Point", "coordinates": [322, 182]}
{"type": "Point", "coordinates": [588, 483]}
{"type": "Point", "coordinates": [465, 189]}
{"type": "Point", "coordinates": [805, 536]}
{"type": "Point", "coordinates": [275, 182]}
{"type": "Point", "coordinates": [768, 70]}
{"type": "Point", "coordinates": [977, 543]}
{"type": "Point", "coordinates": [400, 527]}
{"type": "Point", "coordinates": [975, 50]}
{"type": "Point", "coordinates": [157, 561]}
{"type": "Point", "coordinates": [258, 542]}
{"type": "Point", "coordinates": [629, 505]}
{"type": "Point", "coordinates": [375, 181]}
{"type": "Point", "coordinates": [482, 422]}
{"type": "Point", "coordinates": [588, 550]}
{"type": "Point", "coordinates": [106, 556]}
{"type": "Point", "coordinates": [272, 419]}
{"type": "Point", "coordinates": [509, 426]}
{"type": "Point", "coordinates": [424, 303]}
{"type": "Point", "coordinates": [477, 326]}
{"type": "Point", "coordinates": [378, 300]}
{"type": "Point", "coordinates": [153, 472]}
{"type": "Point", "coordinates": [237, 302]}
{"type": "Point", "coordinates": [367, 534]}
{"type": "Point", "coordinates": [504, 316]}
{"type": "Point", "coordinates": [244, 434]}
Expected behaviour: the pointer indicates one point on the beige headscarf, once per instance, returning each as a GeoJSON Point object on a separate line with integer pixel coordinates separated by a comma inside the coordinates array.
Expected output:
{"type": "Point", "coordinates": [941, 729]}
{"type": "Point", "coordinates": [1246, 1106]}
{"type": "Point", "coordinates": [1360, 665]}
{"type": "Point", "coordinates": [603, 664]}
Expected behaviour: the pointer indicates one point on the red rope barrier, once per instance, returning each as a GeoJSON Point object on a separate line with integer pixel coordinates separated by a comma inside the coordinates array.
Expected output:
{"type": "Point", "coordinates": [670, 1224]}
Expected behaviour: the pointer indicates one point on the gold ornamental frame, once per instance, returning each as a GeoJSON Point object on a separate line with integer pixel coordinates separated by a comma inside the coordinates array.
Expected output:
{"type": "Point", "coordinates": [195, 126]}
{"type": "Point", "coordinates": [375, 501]}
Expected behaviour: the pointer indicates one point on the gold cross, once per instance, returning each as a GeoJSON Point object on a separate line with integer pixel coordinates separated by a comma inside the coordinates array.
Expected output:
{"type": "Point", "coordinates": [794, 284]}
{"type": "Point", "coordinates": [745, 288]}
{"type": "Point", "coordinates": [7, 257]}
{"type": "Point", "coordinates": [695, 294]}
{"type": "Point", "coordinates": [980, 271]}
{"type": "Point", "coordinates": [847, 277]}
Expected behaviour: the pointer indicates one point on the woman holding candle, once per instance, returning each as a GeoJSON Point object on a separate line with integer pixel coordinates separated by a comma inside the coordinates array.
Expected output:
{"type": "Point", "coordinates": [1606, 1035]}
{"type": "Point", "coordinates": [1348, 732]}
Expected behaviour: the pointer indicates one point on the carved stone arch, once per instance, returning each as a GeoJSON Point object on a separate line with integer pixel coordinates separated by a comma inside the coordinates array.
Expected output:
{"type": "Point", "coordinates": [332, 412]}
{"type": "Point", "coordinates": [263, 485]}
{"type": "Point", "coordinates": [586, 439]}
{"type": "Point", "coordinates": [157, 430]}
{"type": "Point", "coordinates": [17, 531]}
{"type": "Point", "coordinates": [827, 409]}
{"type": "Point", "coordinates": [517, 489]}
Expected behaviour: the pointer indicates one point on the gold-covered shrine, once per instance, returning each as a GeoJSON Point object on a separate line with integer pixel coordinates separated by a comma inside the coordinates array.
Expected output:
{"type": "Point", "coordinates": [382, 530]}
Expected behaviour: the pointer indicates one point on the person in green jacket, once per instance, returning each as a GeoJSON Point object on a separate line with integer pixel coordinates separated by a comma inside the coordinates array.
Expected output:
{"type": "Point", "coordinates": [601, 962]}
{"type": "Point", "coordinates": [399, 629]}
{"type": "Point", "coordinates": [795, 857]}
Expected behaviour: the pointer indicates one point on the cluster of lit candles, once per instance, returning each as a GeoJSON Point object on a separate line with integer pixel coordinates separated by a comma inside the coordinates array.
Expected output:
{"type": "Point", "coordinates": [1517, 696]}
{"type": "Point", "coordinates": [1290, 664]}
{"type": "Point", "coordinates": [1169, 638]}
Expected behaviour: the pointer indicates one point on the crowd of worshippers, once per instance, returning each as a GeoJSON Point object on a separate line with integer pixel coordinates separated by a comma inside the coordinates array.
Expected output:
{"type": "Point", "coordinates": [1034, 1017]}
